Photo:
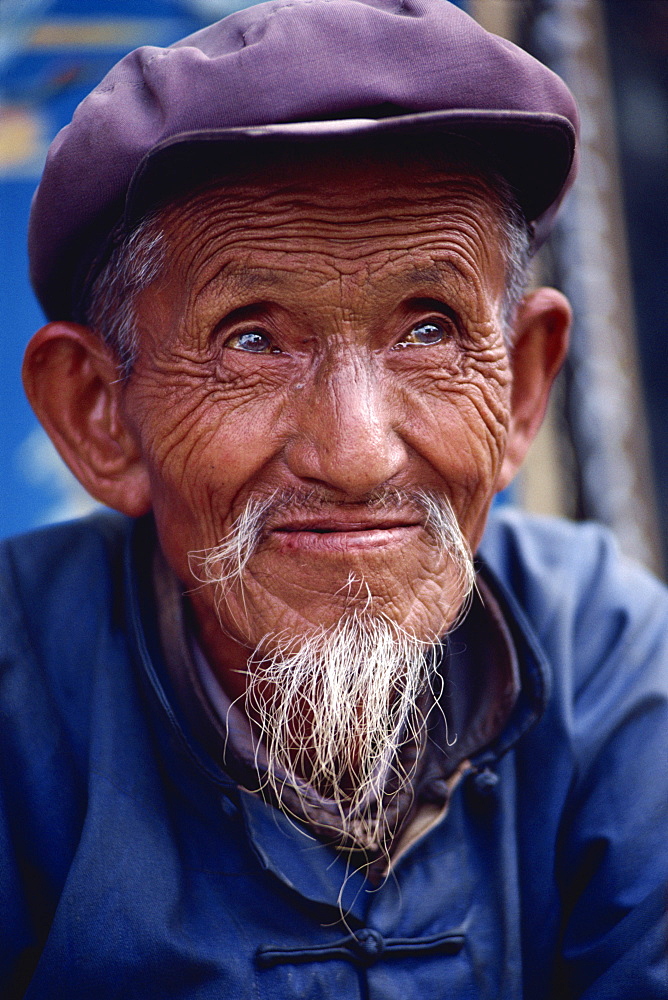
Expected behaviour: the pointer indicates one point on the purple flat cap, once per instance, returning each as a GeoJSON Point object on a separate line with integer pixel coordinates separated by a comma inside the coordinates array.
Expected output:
{"type": "Point", "coordinates": [295, 71]}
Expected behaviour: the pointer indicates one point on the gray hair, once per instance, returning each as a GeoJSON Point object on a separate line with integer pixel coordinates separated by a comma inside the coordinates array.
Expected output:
{"type": "Point", "coordinates": [109, 307]}
{"type": "Point", "coordinates": [517, 235]}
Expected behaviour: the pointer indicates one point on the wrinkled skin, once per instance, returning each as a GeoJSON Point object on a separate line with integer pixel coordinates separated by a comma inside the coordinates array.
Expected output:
{"type": "Point", "coordinates": [328, 325]}
{"type": "Point", "coordinates": [376, 304]}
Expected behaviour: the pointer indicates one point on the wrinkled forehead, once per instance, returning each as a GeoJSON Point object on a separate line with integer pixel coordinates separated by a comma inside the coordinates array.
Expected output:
{"type": "Point", "coordinates": [372, 226]}
{"type": "Point", "coordinates": [344, 195]}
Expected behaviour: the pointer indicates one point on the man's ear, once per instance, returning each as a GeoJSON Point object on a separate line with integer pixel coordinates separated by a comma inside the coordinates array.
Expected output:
{"type": "Point", "coordinates": [72, 381]}
{"type": "Point", "coordinates": [539, 347]}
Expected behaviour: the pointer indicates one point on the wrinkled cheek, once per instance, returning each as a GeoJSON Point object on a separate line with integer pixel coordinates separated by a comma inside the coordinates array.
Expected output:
{"type": "Point", "coordinates": [188, 517]}
{"type": "Point", "coordinates": [476, 452]}
{"type": "Point", "coordinates": [191, 488]}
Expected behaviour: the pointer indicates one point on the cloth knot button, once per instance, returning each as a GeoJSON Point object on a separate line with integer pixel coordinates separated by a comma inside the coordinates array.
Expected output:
{"type": "Point", "coordinates": [369, 944]}
{"type": "Point", "coordinates": [486, 782]}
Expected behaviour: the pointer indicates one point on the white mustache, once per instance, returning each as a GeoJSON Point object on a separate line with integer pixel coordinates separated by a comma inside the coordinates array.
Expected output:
{"type": "Point", "coordinates": [224, 564]}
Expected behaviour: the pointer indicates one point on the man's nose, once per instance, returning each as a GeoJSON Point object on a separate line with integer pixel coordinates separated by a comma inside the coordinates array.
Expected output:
{"type": "Point", "coordinates": [346, 433]}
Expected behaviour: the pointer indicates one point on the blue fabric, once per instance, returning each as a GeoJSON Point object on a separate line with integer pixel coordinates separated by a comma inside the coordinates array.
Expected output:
{"type": "Point", "coordinates": [132, 867]}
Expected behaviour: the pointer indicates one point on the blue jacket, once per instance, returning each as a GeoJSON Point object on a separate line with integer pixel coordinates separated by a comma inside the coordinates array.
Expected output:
{"type": "Point", "coordinates": [131, 866]}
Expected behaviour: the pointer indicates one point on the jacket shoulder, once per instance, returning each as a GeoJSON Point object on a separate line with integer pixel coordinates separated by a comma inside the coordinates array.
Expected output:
{"type": "Point", "coordinates": [64, 567]}
{"type": "Point", "coordinates": [60, 589]}
{"type": "Point", "coordinates": [573, 583]}
{"type": "Point", "coordinates": [519, 545]}
{"type": "Point", "coordinates": [601, 623]}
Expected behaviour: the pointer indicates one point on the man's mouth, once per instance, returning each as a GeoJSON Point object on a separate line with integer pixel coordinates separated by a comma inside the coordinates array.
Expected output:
{"type": "Point", "coordinates": [339, 534]}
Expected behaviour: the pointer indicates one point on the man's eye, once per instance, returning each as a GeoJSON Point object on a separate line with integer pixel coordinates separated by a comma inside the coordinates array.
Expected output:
{"type": "Point", "coordinates": [253, 341]}
{"type": "Point", "coordinates": [424, 334]}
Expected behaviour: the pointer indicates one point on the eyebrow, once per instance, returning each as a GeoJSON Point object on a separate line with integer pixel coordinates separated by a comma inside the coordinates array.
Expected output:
{"type": "Point", "coordinates": [246, 279]}
{"type": "Point", "coordinates": [433, 275]}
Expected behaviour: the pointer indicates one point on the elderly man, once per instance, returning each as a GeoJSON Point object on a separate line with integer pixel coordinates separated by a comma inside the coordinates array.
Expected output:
{"type": "Point", "coordinates": [273, 732]}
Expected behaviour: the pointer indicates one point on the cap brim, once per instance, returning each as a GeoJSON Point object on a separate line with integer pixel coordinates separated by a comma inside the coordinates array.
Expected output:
{"type": "Point", "coordinates": [533, 151]}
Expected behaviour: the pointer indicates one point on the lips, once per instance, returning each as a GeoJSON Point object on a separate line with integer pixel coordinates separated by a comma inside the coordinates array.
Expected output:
{"type": "Point", "coordinates": [344, 533]}
{"type": "Point", "coordinates": [325, 525]}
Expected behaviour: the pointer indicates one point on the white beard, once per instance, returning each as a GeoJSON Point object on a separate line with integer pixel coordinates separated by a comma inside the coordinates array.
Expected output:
{"type": "Point", "coordinates": [333, 707]}
{"type": "Point", "coordinates": [333, 710]}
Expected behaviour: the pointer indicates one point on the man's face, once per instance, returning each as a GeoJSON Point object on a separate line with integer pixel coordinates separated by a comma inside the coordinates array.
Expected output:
{"type": "Point", "coordinates": [331, 332]}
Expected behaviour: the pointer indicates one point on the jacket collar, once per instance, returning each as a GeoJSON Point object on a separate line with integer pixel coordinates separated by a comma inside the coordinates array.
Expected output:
{"type": "Point", "coordinates": [283, 846]}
